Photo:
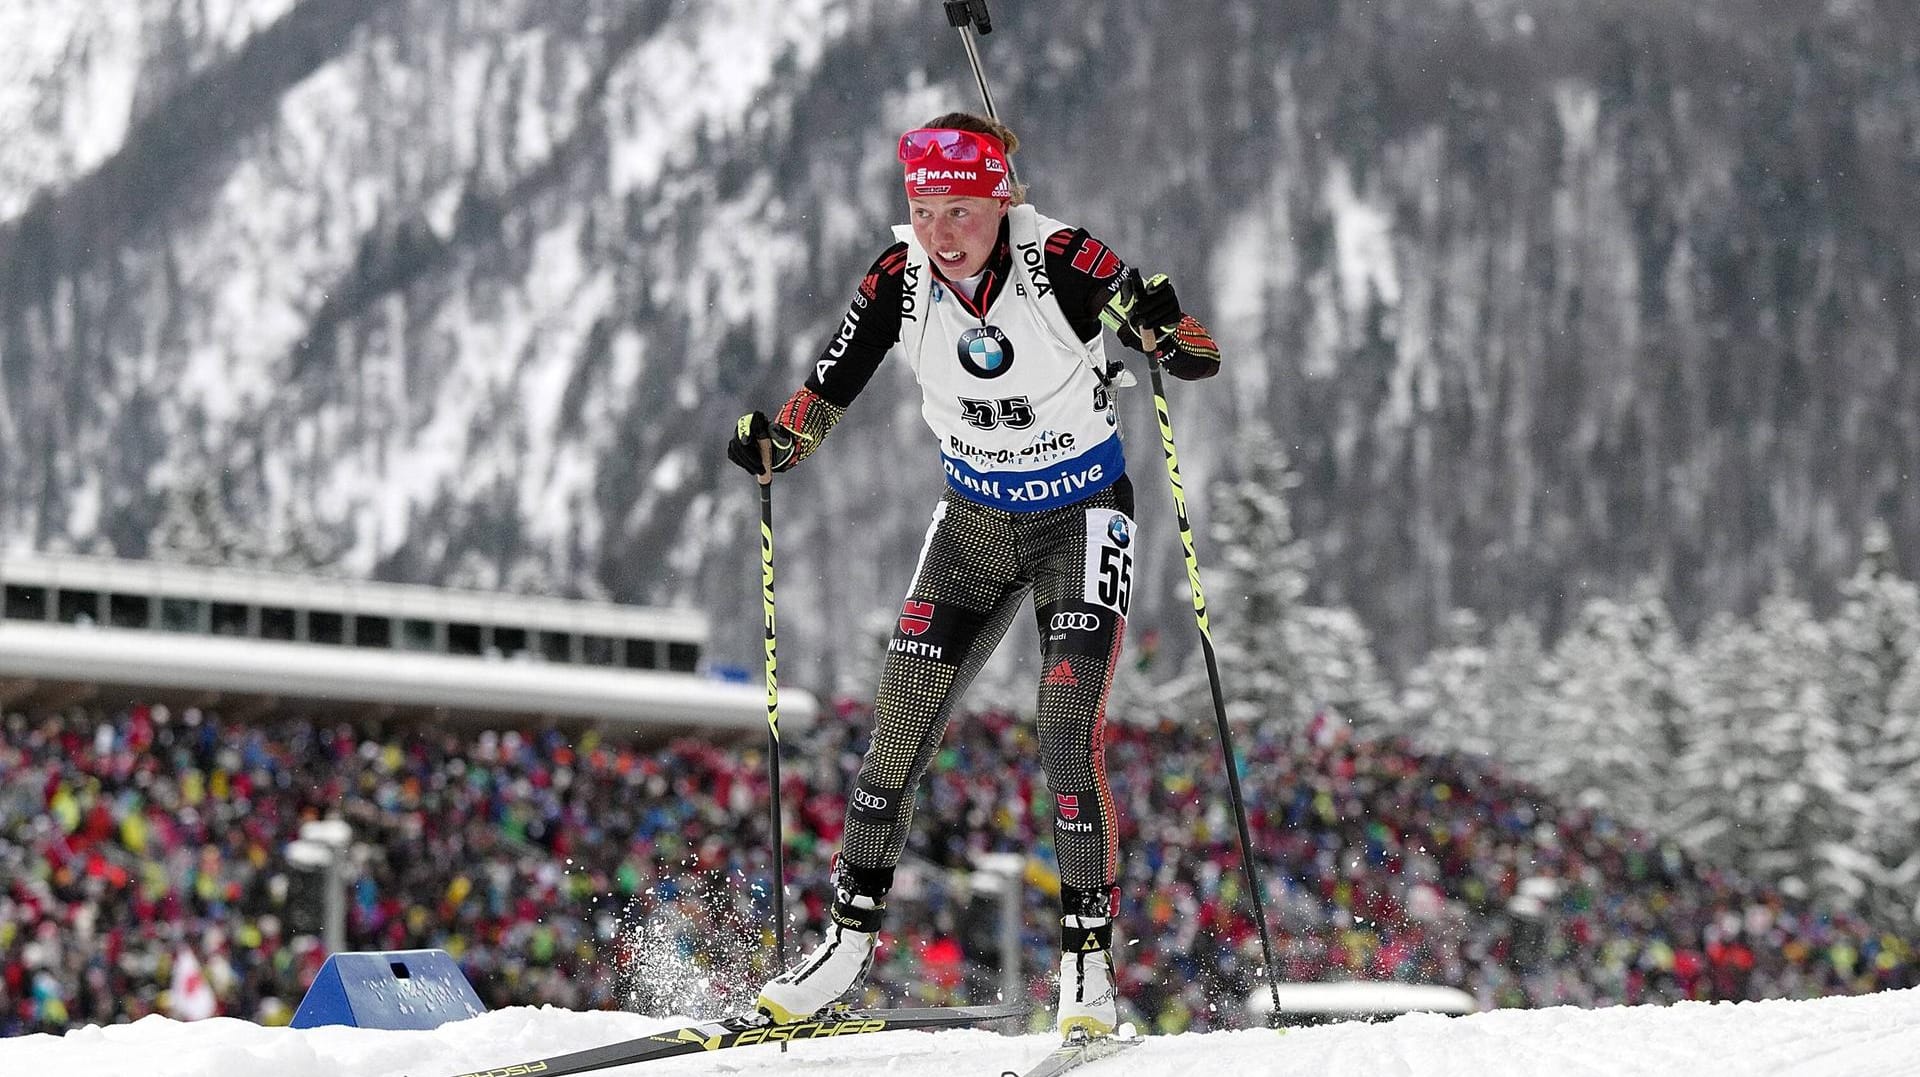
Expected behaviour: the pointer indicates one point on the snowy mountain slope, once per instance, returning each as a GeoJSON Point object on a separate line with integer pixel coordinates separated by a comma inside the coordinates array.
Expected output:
{"type": "Point", "coordinates": [464, 291]}
{"type": "Point", "coordinates": [1855, 1037]}
{"type": "Point", "coordinates": [80, 75]}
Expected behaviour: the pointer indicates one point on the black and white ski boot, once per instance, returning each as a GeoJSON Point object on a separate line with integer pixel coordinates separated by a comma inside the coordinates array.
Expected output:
{"type": "Point", "coordinates": [834, 968]}
{"type": "Point", "coordinates": [1089, 1004]}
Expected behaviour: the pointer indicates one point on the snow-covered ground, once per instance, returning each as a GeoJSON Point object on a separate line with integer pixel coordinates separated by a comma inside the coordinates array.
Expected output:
{"type": "Point", "coordinates": [1871, 1035]}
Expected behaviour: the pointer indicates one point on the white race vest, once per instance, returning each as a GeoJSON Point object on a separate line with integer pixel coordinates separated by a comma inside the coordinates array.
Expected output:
{"type": "Point", "coordinates": [1024, 421]}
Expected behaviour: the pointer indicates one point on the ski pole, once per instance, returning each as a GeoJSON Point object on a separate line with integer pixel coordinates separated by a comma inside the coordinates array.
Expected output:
{"type": "Point", "coordinates": [765, 479]}
{"type": "Point", "coordinates": [1213, 674]}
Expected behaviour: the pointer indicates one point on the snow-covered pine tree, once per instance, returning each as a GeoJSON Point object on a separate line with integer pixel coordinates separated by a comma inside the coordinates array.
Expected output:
{"type": "Point", "coordinates": [1281, 659]}
{"type": "Point", "coordinates": [1482, 695]}
{"type": "Point", "coordinates": [1443, 704]}
{"type": "Point", "coordinates": [1764, 770]}
{"type": "Point", "coordinates": [1901, 802]}
{"type": "Point", "coordinates": [1513, 697]}
{"type": "Point", "coordinates": [1876, 634]}
{"type": "Point", "coordinates": [1613, 712]}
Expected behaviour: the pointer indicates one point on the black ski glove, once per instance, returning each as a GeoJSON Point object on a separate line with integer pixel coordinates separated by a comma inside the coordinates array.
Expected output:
{"type": "Point", "coordinates": [1180, 343]}
{"type": "Point", "coordinates": [753, 428]}
{"type": "Point", "coordinates": [1139, 305]}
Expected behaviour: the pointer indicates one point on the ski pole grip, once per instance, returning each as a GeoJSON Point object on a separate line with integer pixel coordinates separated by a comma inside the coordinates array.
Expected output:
{"type": "Point", "coordinates": [766, 462]}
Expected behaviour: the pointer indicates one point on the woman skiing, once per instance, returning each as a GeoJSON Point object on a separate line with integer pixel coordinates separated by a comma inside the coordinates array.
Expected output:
{"type": "Point", "coordinates": [998, 311]}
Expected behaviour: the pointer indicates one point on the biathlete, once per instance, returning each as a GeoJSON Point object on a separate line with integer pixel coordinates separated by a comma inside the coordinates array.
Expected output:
{"type": "Point", "coordinates": [998, 311]}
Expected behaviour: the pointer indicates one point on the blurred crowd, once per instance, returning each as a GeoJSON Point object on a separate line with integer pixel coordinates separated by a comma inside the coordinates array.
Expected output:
{"type": "Point", "coordinates": [572, 869]}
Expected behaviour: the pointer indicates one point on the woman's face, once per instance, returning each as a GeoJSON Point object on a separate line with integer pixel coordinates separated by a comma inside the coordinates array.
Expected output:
{"type": "Point", "coordinates": [957, 233]}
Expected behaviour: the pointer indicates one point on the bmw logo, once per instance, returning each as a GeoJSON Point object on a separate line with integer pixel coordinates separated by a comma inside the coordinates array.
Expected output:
{"type": "Point", "coordinates": [986, 352]}
{"type": "Point", "coordinates": [1119, 531]}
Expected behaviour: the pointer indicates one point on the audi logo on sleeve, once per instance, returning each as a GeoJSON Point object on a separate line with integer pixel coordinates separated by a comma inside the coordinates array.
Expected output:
{"type": "Point", "coordinates": [1074, 622]}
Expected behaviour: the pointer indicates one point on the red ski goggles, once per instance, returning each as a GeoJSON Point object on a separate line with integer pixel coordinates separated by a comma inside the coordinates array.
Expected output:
{"type": "Point", "coordinates": [941, 161]}
{"type": "Point", "coordinates": [954, 147]}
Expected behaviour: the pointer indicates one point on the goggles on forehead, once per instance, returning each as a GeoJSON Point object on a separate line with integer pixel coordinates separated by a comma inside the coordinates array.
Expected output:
{"type": "Point", "coordinates": [954, 147]}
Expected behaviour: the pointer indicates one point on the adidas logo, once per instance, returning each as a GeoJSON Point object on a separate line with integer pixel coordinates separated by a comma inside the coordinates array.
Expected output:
{"type": "Point", "coordinates": [1061, 674]}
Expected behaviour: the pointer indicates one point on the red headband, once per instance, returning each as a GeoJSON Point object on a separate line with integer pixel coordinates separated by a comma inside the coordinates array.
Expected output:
{"type": "Point", "coordinates": [942, 161]}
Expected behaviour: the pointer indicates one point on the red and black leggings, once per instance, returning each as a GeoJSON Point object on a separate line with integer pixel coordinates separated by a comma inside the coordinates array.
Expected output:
{"type": "Point", "coordinates": [975, 572]}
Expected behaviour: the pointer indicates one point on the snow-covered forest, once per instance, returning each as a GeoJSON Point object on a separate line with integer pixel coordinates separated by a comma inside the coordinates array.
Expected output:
{"type": "Point", "coordinates": [1785, 745]}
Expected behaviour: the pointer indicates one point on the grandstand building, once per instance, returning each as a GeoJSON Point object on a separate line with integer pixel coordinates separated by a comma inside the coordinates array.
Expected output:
{"type": "Point", "coordinates": [81, 628]}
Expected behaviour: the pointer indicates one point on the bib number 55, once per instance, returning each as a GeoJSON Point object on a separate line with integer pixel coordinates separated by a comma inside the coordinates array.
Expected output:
{"type": "Point", "coordinates": [1015, 413]}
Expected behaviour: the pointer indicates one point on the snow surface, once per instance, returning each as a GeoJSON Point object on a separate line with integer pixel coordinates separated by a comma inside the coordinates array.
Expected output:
{"type": "Point", "coordinates": [1869, 1035]}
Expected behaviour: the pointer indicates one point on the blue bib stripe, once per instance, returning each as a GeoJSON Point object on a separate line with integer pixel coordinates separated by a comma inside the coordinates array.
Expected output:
{"type": "Point", "coordinates": [1043, 488]}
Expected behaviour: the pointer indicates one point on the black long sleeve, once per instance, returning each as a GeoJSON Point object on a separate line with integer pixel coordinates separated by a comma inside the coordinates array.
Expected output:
{"type": "Point", "coordinates": [869, 330]}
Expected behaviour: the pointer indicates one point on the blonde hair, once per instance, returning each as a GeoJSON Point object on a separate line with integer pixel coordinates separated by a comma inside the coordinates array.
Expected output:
{"type": "Point", "coordinates": [984, 125]}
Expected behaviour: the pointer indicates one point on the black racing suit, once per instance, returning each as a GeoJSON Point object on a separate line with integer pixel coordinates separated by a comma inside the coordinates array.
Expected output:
{"type": "Point", "coordinates": [975, 571]}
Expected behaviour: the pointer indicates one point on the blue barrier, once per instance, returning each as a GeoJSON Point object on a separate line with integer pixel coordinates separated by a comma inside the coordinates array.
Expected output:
{"type": "Point", "coordinates": [395, 989]}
